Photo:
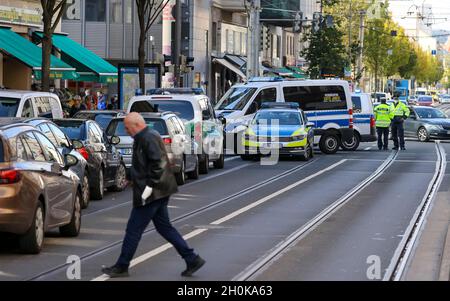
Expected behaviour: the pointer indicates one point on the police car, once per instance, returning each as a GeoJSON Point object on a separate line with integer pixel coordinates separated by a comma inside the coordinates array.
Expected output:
{"type": "Point", "coordinates": [363, 120]}
{"type": "Point", "coordinates": [281, 128]}
{"type": "Point", "coordinates": [326, 103]}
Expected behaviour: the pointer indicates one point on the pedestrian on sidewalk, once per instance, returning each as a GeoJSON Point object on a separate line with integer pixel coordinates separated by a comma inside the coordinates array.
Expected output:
{"type": "Point", "coordinates": [77, 106]}
{"type": "Point", "coordinates": [399, 113]}
{"type": "Point", "coordinates": [382, 123]}
{"type": "Point", "coordinates": [153, 184]}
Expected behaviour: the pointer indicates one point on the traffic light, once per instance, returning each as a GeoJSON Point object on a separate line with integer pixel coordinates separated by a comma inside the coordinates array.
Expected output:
{"type": "Point", "coordinates": [298, 23]}
{"type": "Point", "coordinates": [189, 65]}
{"type": "Point", "coordinates": [167, 64]}
{"type": "Point", "coordinates": [317, 20]}
{"type": "Point", "coordinates": [264, 37]}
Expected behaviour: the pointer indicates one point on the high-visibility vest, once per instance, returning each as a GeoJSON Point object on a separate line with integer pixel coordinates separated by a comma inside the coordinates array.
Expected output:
{"type": "Point", "coordinates": [399, 110]}
{"type": "Point", "coordinates": [382, 116]}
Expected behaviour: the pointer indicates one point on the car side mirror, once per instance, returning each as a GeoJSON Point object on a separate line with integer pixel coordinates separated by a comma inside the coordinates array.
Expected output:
{"type": "Point", "coordinates": [70, 160]}
{"type": "Point", "coordinates": [114, 140]}
{"type": "Point", "coordinates": [223, 120]}
{"type": "Point", "coordinates": [310, 124]}
{"type": "Point", "coordinates": [413, 117]}
{"type": "Point", "coordinates": [77, 144]}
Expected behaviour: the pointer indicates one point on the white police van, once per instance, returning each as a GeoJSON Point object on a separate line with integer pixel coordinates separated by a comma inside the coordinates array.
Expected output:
{"type": "Point", "coordinates": [363, 122]}
{"type": "Point", "coordinates": [327, 103]}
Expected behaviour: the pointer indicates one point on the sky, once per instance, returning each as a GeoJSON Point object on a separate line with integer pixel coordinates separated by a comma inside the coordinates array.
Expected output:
{"type": "Point", "coordinates": [441, 9]}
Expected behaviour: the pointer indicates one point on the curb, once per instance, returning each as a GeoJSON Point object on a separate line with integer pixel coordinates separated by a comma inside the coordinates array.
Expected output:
{"type": "Point", "coordinates": [444, 274]}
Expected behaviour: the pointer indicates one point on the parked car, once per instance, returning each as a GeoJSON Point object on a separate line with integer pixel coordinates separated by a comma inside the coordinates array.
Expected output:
{"type": "Point", "coordinates": [363, 122]}
{"type": "Point", "coordinates": [179, 146]}
{"type": "Point", "coordinates": [427, 123]}
{"type": "Point", "coordinates": [445, 98]}
{"type": "Point", "coordinates": [65, 146]}
{"type": "Point", "coordinates": [38, 191]}
{"type": "Point", "coordinates": [29, 104]}
{"type": "Point", "coordinates": [101, 117]}
{"type": "Point", "coordinates": [199, 118]}
{"type": "Point", "coordinates": [106, 168]}
{"type": "Point", "coordinates": [425, 100]}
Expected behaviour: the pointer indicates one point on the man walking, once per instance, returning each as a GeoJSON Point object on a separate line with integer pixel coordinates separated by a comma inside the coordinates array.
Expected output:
{"type": "Point", "coordinates": [383, 122]}
{"type": "Point", "coordinates": [153, 183]}
{"type": "Point", "coordinates": [398, 115]}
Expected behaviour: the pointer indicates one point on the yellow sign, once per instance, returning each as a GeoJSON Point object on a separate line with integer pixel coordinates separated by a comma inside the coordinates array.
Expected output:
{"type": "Point", "coordinates": [20, 16]}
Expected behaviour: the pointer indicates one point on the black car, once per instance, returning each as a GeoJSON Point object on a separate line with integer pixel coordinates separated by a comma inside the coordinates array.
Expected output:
{"type": "Point", "coordinates": [427, 123]}
{"type": "Point", "coordinates": [105, 164]}
{"type": "Point", "coordinates": [101, 117]}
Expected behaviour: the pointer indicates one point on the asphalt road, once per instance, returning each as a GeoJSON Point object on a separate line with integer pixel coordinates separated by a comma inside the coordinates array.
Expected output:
{"type": "Point", "coordinates": [236, 216]}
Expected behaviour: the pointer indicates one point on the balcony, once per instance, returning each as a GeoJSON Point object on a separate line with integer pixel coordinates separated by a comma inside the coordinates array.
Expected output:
{"type": "Point", "coordinates": [231, 5]}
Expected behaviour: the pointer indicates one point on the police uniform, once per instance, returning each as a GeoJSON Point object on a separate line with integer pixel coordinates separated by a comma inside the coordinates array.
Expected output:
{"type": "Point", "coordinates": [383, 122]}
{"type": "Point", "coordinates": [398, 115]}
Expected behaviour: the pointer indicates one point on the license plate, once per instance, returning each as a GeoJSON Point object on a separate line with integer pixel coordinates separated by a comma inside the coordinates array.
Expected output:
{"type": "Point", "coordinates": [272, 145]}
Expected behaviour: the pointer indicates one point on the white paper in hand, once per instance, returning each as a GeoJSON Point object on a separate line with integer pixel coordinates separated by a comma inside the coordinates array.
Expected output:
{"type": "Point", "coordinates": [147, 193]}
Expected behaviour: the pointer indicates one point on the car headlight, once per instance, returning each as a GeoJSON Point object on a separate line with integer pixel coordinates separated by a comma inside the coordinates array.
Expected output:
{"type": "Point", "coordinates": [298, 138]}
{"type": "Point", "coordinates": [126, 151]}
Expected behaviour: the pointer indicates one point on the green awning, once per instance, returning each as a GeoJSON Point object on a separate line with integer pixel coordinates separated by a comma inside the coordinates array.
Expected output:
{"type": "Point", "coordinates": [12, 44]}
{"type": "Point", "coordinates": [298, 73]}
{"type": "Point", "coordinates": [89, 66]}
{"type": "Point", "coordinates": [283, 72]}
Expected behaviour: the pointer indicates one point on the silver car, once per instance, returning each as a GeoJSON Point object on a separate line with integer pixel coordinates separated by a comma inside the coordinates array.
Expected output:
{"type": "Point", "coordinates": [179, 146]}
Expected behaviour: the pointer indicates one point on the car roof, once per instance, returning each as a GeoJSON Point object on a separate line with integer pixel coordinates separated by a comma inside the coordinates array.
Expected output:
{"type": "Point", "coordinates": [308, 82]}
{"type": "Point", "coordinates": [71, 120]}
{"type": "Point", "coordinates": [424, 107]}
{"type": "Point", "coordinates": [100, 111]}
{"type": "Point", "coordinates": [161, 115]}
{"type": "Point", "coordinates": [186, 97]}
{"type": "Point", "coordinates": [23, 93]}
{"type": "Point", "coordinates": [281, 110]}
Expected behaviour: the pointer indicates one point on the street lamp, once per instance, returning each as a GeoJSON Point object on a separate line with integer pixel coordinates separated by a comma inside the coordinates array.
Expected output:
{"type": "Point", "coordinates": [153, 48]}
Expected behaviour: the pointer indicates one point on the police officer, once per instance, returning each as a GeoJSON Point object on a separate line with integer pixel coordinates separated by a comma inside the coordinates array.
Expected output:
{"type": "Point", "coordinates": [398, 115]}
{"type": "Point", "coordinates": [383, 122]}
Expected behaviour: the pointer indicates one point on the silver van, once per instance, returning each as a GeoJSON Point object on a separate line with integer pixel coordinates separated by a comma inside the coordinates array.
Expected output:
{"type": "Point", "coordinates": [29, 104]}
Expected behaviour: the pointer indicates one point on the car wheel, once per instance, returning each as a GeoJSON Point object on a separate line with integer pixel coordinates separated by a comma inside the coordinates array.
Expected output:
{"type": "Point", "coordinates": [307, 154]}
{"type": "Point", "coordinates": [351, 145]}
{"type": "Point", "coordinates": [73, 228]}
{"type": "Point", "coordinates": [204, 165]}
{"type": "Point", "coordinates": [85, 192]}
{"type": "Point", "coordinates": [196, 172]}
{"type": "Point", "coordinates": [422, 134]}
{"type": "Point", "coordinates": [220, 163]}
{"type": "Point", "coordinates": [181, 176]}
{"type": "Point", "coordinates": [98, 190]}
{"type": "Point", "coordinates": [329, 144]}
{"type": "Point", "coordinates": [32, 241]}
{"type": "Point", "coordinates": [121, 178]}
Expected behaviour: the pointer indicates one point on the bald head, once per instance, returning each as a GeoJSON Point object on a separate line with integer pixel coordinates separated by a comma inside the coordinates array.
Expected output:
{"type": "Point", "coordinates": [134, 123]}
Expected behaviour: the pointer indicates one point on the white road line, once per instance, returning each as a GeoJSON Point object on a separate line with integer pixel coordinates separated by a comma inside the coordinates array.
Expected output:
{"type": "Point", "coordinates": [153, 253]}
{"type": "Point", "coordinates": [368, 148]}
{"type": "Point", "coordinates": [231, 158]}
{"type": "Point", "coordinates": [271, 196]}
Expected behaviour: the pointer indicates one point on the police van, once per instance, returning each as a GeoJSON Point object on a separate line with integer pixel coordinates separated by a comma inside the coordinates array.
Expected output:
{"type": "Point", "coordinates": [327, 103]}
{"type": "Point", "coordinates": [363, 122]}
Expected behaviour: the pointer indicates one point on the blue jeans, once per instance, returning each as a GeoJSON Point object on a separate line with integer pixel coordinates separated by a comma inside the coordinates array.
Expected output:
{"type": "Point", "coordinates": [139, 219]}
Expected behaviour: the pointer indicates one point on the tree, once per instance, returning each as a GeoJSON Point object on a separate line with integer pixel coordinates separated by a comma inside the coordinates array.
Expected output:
{"type": "Point", "coordinates": [325, 53]}
{"type": "Point", "coordinates": [51, 16]}
{"type": "Point", "coordinates": [148, 12]}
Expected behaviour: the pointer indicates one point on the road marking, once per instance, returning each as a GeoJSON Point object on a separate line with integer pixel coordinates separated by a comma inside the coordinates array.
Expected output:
{"type": "Point", "coordinates": [368, 148]}
{"type": "Point", "coordinates": [271, 196]}
{"type": "Point", "coordinates": [231, 158]}
{"type": "Point", "coordinates": [159, 250]}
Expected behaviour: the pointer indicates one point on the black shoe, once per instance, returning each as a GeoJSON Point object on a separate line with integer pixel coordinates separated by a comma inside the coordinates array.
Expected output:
{"type": "Point", "coordinates": [403, 148]}
{"type": "Point", "coordinates": [395, 148]}
{"type": "Point", "coordinates": [380, 148]}
{"type": "Point", "coordinates": [115, 271]}
{"type": "Point", "coordinates": [193, 266]}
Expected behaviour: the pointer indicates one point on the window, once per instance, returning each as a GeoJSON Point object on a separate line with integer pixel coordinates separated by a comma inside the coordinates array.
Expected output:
{"type": "Point", "coordinates": [214, 36]}
{"type": "Point", "coordinates": [128, 11]}
{"type": "Point", "coordinates": [171, 126]}
{"type": "Point", "coordinates": [60, 136]}
{"type": "Point", "coordinates": [183, 109]}
{"type": "Point", "coordinates": [230, 41]}
{"type": "Point", "coordinates": [317, 98]}
{"type": "Point", "coordinates": [9, 106]}
{"type": "Point", "coordinates": [94, 135]}
{"type": "Point", "coordinates": [73, 10]}
{"type": "Point", "coordinates": [95, 10]}
{"type": "Point", "coordinates": [356, 100]}
{"type": "Point", "coordinates": [266, 95]}
{"type": "Point", "coordinates": [50, 151]}
{"type": "Point", "coordinates": [236, 98]}
{"type": "Point", "coordinates": [207, 113]}
{"type": "Point", "coordinates": [48, 133]}
{"type": "Point", "coordinates": [37, 153]}
{"type": "Point", "coordinates": [22, 154]}
{"type": "Point", "coordinates": [43, 107]}
{"type": "Point", "coordinates": [116, 11]}
{"type": "Point", "coordinates": [99, 132]}
{"type": "Point", "coordinates": [27, 110]}
{"type": "Point", "coordinates": [179, 125]}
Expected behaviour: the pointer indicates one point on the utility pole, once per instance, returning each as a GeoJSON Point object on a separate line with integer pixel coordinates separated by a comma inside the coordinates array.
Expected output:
{"type": "Point", "coordinates": [361, 45]}
{"type": "Point", "coordinates": [253, 36]}
{"type": "Point", "coordinates": [177, 54]}
{"type": "Point", "coordinates": [350, 17]}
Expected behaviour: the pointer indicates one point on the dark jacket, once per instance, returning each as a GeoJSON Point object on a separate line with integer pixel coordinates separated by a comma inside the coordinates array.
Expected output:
{"type": "Point", "coordinates": [150, 167]}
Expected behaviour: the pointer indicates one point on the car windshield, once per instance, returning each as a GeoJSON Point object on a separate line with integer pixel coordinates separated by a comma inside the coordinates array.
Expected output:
{"type": "Point", "coordinates": [280, 118]}
{"type": "Point", "coordinates": [236, 98]}
{"type": "Point", "coordinates": [72, 129]}
{"type": "Point", "coordinates": [9, 106]}
{"type": "Point", "coordinates": [426, 99]}
{"type": "Point", "coordinates": [117, 127]}
{"type": "Point", "coordinates": [181, 108]}
{"type": "Point", "coordinates": [103, 120]}
{"type": "Point", "coordinates": [429, 113]}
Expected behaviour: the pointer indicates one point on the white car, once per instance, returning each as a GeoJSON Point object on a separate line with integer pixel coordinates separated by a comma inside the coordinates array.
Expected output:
{"type": "Point", "coordinates": [197, 113]}
{"type": "Point", "coordinates": [29, 104]}
{"type": "Point", "coordinates": [363, 121]}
